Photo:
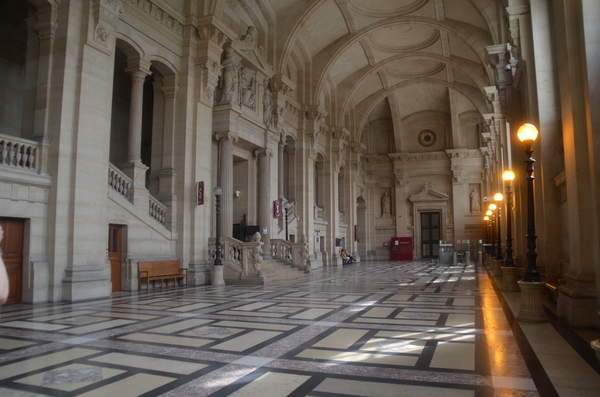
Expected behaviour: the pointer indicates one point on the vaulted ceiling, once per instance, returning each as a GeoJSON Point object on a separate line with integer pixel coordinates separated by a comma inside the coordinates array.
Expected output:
{"type": "Point", "coordinates": [352, 57]}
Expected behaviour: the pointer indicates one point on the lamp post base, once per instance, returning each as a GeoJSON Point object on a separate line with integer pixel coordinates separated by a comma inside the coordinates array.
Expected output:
{"type": "Point", "coordinates": [498, 267]}
{"type": "Point", "coordinates": [217, 276]}
{"type": "Point", "coordinates": [509, 279]}
{"type": "Point", "coordinates": [532, 305]}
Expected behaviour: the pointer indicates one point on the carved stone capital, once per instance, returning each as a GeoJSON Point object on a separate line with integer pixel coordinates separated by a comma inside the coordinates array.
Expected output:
{"type": "Point", "coordinates": [47, 20]}
{"type": "Point", "coordinates": [227, 135]}
{"type": "Point", "coordinates": [263, 152]}
{"type": "Point", "coordinates": [211, 34]}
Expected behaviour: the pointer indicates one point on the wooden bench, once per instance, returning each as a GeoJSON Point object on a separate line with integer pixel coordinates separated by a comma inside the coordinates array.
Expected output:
{"type": "Point", "coordinates": [164, 271]}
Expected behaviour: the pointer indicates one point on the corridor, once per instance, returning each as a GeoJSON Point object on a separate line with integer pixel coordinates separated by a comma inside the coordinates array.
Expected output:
{"type": "Point", "coordinates": [372, 329]}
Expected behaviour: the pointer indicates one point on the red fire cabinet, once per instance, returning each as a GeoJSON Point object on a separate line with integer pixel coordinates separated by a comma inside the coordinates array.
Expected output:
{"type": "Point", "coordinates": [402, 248]}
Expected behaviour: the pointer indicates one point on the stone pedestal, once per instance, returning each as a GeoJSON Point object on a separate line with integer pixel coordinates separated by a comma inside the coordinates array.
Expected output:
{"type": "Point", "coordinates": [217, 277]}
{"type": "Point", "coordinates": [498, 267]}
{"type": "Point", "coordinates": [138, 192]}
{"type": "Point", "coordinates": [509, 279]}
{"type": "Point", "coordinates": [532, 304]}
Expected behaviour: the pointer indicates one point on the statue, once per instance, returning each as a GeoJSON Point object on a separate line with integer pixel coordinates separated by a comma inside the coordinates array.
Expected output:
{"type": "Point", "coordinates": [386, 204]}
{"type": "Point", "coordinates": [248, 97]}
{"type": "Point", "coordinates": [229, 77]}
{"type": "Point", "coordinates": [475, 201]}
{"type": "Point", "coordinates": [267, 105]}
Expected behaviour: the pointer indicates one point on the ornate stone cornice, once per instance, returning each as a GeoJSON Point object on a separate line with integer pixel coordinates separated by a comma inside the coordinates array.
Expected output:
{"type": "Point", "coordinates": [156, 14]}
{"type": "Point", "coordinates": [377, 159]}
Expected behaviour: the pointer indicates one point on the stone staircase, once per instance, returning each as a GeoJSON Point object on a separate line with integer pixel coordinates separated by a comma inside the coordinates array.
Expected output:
{"type": "Point", "coordinates": [277, 271]}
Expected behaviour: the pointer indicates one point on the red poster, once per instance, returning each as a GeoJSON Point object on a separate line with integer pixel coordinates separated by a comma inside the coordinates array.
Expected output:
{"type": "Point", "coordinates": [276, 209]}
{"type": "Point", "coordinates": [356, 233]}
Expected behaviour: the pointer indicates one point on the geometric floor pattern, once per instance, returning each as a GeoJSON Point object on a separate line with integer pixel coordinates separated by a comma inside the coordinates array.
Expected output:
{"type": "Point", "coordinates": [373, 329]}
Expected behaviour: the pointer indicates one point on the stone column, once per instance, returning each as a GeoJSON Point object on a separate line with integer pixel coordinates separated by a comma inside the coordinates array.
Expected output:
{"type": "Point", "coordinates": [134, 167]}
{"type": "Point", "coordinates": [226, 140]}
{"type": "Point", "coordinates": [167, 173]}
{"type": "Point", "coordinates": [264, 198]}
{"type": "Point", "coordinates": [578, 298]}
{"type": "Point", "coordinates": [198, 77]}
{"type": "Point", "coordinates": [45, 25]}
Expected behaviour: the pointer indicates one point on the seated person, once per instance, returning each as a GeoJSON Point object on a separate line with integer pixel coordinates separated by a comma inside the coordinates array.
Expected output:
{"type": "Point", "coordinates": [348, 259]}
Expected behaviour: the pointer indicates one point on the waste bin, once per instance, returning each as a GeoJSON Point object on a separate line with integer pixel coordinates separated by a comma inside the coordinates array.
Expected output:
{"type": "Point", "coordinates": [445, 252]}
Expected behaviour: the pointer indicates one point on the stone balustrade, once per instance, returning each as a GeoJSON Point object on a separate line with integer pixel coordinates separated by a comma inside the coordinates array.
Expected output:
{"type": "Point", "coordinates": [19, 153]}
{"type": "Point", "coordinates": [296, 253]}
{"type": "Point", "coordinates": [234, 253]}
{"type": "Point", "coordinates": [158, 211]}
{"type": "Point", "coordinates": [119, 182]}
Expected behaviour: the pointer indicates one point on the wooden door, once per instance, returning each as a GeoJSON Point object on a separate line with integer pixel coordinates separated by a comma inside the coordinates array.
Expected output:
{"type": "Point", "coordinates": [115, 255]}
{"type": "Point", "coordinates": [12, 254]}
{"type": "Point", "coordinates": [430, 234]}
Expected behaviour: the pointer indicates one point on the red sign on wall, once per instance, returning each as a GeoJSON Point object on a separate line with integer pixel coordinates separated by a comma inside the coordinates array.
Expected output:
{"type": "Point", "coordinates": [276, 209]}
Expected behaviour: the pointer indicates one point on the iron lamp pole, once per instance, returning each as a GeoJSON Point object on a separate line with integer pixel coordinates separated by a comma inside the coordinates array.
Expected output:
{"type": "Point", "coordinates": [527, 134]}
{"type": "Point", "coordinates": [217, 278]}
{"type": "Point", "coordinates": [508, 176]}
{"type": "Point", "coordinates": [498, 197]}
{"type": "Point", "coordinates": [286, 207]}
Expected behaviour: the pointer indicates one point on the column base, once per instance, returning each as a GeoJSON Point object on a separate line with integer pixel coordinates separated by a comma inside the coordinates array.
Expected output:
{"type": "Point", "coordinates": [532, 302]}
{"type": "Point", "coordinates": [199, 273]}
{"type": "Point", "coordinates": [84, 283]}
{"type": "Point", "coordinates": [498, 267]}
{"type": "Point", "coordinates": [578, 300]}
{"type": "Point", "coordinates": [509, 279]}
{"type": "Point", "coordinates": [217, 277]}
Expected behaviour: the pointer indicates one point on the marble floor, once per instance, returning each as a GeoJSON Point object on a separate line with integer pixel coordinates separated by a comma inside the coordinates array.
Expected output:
{"type": "Point", "coordinates": [372, 329]}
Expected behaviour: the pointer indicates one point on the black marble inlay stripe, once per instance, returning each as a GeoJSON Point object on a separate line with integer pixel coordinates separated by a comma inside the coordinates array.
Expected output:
{"type": "Point", "coordinates": [580, 345]}
{"type": "Point", "coordinates": [540, 377]}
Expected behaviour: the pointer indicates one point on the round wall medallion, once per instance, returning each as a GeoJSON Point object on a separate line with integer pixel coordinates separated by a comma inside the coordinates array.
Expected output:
{"type": "Point", "coordinates": [427, 138]}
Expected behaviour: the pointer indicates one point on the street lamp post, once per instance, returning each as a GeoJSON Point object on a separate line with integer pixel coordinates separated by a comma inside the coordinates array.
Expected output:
{"type": "Point", "coordinates": [495, 219]}
{"type": "Point", "coordinates": [509, 271]}
{"type": "Point", "coordinates": [497, 260]}
{"type": "Point", "coordinates": [527, 134]}
{"type": "Point", "coordinates": [217, 278]}
{"type": "Point", "coordinates": [532, 306]}
{"type": "Point", "coordinates": [508, 176]}
{"type": "Point", "coordinates": [286, 207]}
{"type": "Point", "coordinates": [498, 197]}
{"type": "Point", "coordinates": [489, 214]}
